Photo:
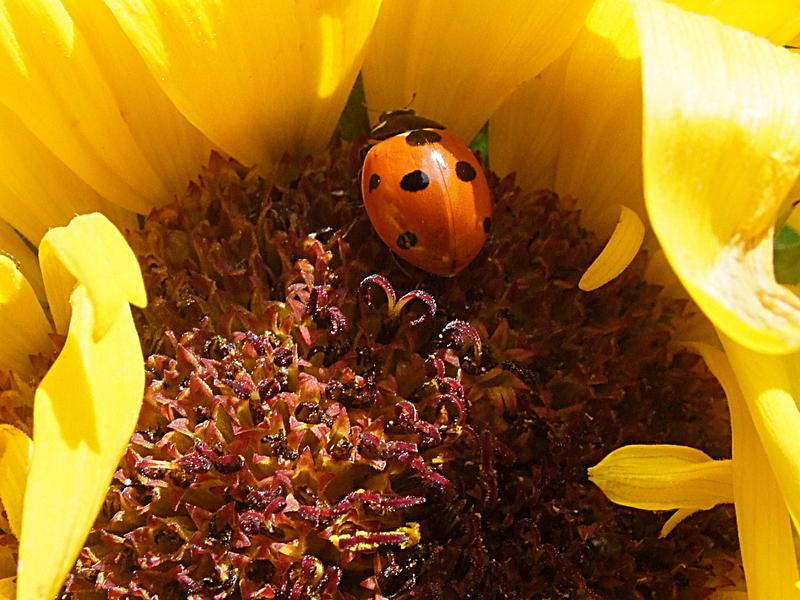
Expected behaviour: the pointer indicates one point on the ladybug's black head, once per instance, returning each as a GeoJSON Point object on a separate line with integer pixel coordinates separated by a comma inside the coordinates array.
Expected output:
{"type": "Point", "coordinates": [395, 122]}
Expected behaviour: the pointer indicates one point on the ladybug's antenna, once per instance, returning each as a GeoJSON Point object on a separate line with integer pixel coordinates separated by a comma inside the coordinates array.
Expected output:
{"type": "Point", "coordinates": [410, 102]}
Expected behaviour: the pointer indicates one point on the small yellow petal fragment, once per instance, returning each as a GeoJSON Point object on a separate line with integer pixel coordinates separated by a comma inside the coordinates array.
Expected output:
{"type": "Point", "coordinates": [677, 517]}
{"type": "Point", "coordinates": [618, 253]}
{"type": "Point", "coordinates": [456, 62]}
{"type": "Point", "coordinates": [92, 252]}
{"type": "Point", "coordinates": [22, 320]}
{"type": "Point", "coordinates": [13, 246]}
{"type": "Point", "coordinates": [257, 78]}
{"type": "Point", "coordinates": [765, 530]}
{"type": "Point", "coordinates": [85, 411]}
{"type": "Point", "coordinates": [663, 477]}
{"type": "Point", "coordinates": [15, 459]}
{"type": "Point", "coordinates": [721, 152]}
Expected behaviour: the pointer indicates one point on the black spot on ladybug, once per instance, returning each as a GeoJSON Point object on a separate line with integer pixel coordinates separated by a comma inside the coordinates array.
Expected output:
{"type": "Point", "coordinates": [406, 240]}
{"type": "Point", "coordinates": [465, 171]}
{"type": "Point", "coordinates": [487, 224]}
{"type": "Point", "coordinates": [374, 182]}
{"type": "Point", "coordinates": [414, 181]}
{"type": "Point", "coordinates": [420, 137]}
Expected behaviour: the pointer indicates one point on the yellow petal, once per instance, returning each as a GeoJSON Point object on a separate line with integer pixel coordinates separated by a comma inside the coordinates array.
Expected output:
{"type": "Point", "coordinates": [618, 252]}
{"type": "Point", "coordinates": [37, 190]}
{"type": "Point", "coordinates": [51, 80]}
{"type": "Point", "coordinates": [676, 519]}
{"type": "Point", "coordinates": [258, 78]}
{"type": "Point", "coordinates": [174, 148]}
{"type": "Point", "coordinates": [8, 588]}
{"type": "Point", "coordinates": [90, 251]}
{"type": "Point", "coordinates": [84, 414]}
{"type": "Point", "coordinates": [721, 151]}
{"type": "Point", "coordinates": [770, 387]}
{"type": "Point", "coordinates": [13, 246]}
{"type": "Point", "coordinates": [776, 20]}
{"type": "Point", "coordinates": [663, 477]}
{"type": "Point", "coordinates": [765, 531]}
{"type": "Point", "coordinates": [22, 320]}
{"type": "Point", "coordinates": [599, 162]}
{"type": "Point", "coordinates": [456, 62]}
{"type": "Point", "coordinates": [525, 132]}
{"type": "Point", "coordinates": [600, 156]}
{"type": "Point", "coordinates": [15, 459]}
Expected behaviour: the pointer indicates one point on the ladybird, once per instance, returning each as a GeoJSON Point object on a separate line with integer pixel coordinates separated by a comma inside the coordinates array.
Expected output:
{"type": "Point", "coordinates": [425, 193]}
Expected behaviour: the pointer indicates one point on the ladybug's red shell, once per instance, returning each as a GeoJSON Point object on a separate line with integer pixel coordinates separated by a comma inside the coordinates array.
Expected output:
{"type": "Point", "coordinates": [428, 199]}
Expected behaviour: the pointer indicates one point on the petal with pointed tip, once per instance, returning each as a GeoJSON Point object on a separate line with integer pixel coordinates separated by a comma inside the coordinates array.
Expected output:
{"type": "Point", "coordinates": [721, 151]}
{"type": "Point", "coordinates": [24, 324]}
{"type": "Point", "coordinates": [663, 477]}
{"type": "Point", "coordinates": [90, 251]}
{"type": "Point", "coordinates": [618, 252]}
{"type": "Point", "coordinates": [85, 411]}
{"type": "Point", "coordinates": [259, 79]}
{"type": "Point", "coordinates": [50, 78]}
{"type": "Point", "coordinates": [485, 55]}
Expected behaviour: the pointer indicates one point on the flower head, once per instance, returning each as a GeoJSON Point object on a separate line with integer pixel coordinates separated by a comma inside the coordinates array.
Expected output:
{"type": "Point", "coordinates": [320, 419]}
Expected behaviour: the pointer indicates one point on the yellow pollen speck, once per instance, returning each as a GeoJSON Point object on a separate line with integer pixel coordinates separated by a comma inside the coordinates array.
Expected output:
{"type": "Point", "coordinates": [410, 532]}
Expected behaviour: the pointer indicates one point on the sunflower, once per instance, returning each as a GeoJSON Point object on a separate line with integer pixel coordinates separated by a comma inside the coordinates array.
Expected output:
{"type": "Point", "coordinates": [671, 130]}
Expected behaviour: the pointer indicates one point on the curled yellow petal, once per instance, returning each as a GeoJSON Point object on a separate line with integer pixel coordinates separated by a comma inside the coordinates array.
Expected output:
{"type": "Point", "coordinates": [765, 531]}
{"type": "Point", "coordinates": [455, 62]}
{"type": "Point", "coordinates": [260, 78]}
{"type": "Point", "coordinates": [663, 477]}
{"type": "Point", "coordinates": [85, 411]}
{"type": "Point", "coordinates": [50, 79]}
{"type": "Point", "coordinates": [22, 320]}
{"type": "Point", "coordinates": [618, 252]}
{"type": "Point", "coordinates": [721, 151]}
{"type": "Point", "coordinates": [90, 251]}
{"type": "Point", "coordinates": [15, 458]}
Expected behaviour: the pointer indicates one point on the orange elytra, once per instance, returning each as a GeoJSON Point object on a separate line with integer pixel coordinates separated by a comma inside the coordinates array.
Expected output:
{"type": "Point", "coordinates": [425, 193]}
